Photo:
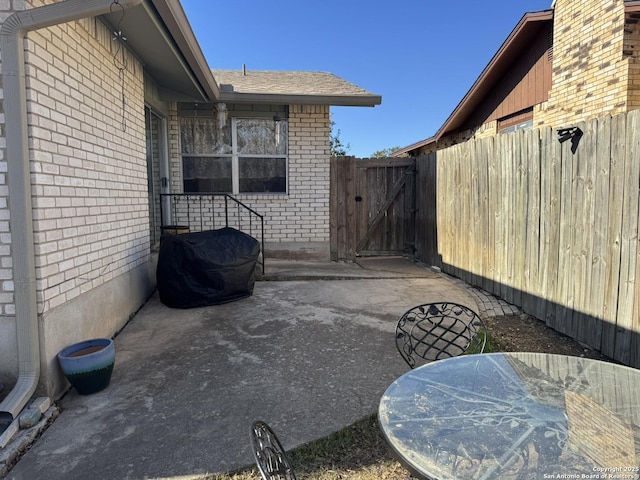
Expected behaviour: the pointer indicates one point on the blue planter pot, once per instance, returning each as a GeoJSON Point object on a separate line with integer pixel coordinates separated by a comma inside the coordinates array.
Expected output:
{"type": "Point", "coordinates": [88, 364]}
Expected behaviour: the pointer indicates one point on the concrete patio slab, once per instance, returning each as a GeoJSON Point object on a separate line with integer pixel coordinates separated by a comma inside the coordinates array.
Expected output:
{"type": "Point", "coordinates": [309, 352]}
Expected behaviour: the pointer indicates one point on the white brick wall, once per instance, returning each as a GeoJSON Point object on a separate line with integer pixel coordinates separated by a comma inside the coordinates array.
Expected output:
{"type": "Point", "coordinates": [302, 216]}
{"type": "Point", "coordinates": [88, 175]}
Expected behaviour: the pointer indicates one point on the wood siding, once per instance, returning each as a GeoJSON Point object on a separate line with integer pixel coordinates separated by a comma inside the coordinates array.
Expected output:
{"type": "Point", "coordinates": [526, 84]}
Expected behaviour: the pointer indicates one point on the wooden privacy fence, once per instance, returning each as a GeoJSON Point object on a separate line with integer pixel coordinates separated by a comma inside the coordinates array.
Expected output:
{"type": "Point", "coordinates": [372, 207]}
{"type": "Point", "coordinates": [555, 232]}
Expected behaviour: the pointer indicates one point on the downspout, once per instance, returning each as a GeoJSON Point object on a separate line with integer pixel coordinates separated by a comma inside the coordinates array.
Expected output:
{"type": "Point", "coordinates": [12, 36]}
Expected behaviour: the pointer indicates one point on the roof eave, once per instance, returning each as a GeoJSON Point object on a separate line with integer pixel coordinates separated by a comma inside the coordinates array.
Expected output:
{"type": "Point", "coordinates": [158, 33]}
{"type": "Point", "coordinates": [292, 99]}
{"type": "Point", "coordinates": [176, 21]}
{"type": "Point", "coordinates": [415, 146]}
{"type": "Point", "coordinates": [485, 76]}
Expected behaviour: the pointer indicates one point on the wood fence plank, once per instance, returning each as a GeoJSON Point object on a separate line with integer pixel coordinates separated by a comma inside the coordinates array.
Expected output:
{"type": "Point", "coordinates": [465, 240]}
{"type": "Point", "coordinates": [576, 231]}
{"type": "Point", "coordinates": [335, 202]}
{"type": "Point", "coordinates": [582, 218]}
{"type": "Point", "coordinates": [360, 201]}
{"type": "Point", "coordinates": [505, 186]}
{"type": "Point", "coordinates": [507, 160]}
{"type": "Point", "coordinates": [375, 190]}
{"type": "Point", "coordinates": [408, 207]}
{"type": "Point", "coordinates": [460, 206]}
{"type": "Point", "coordinates": [625, 321]}
{"type": "Point", "coordinates": [363, 180]}
{"type": "Point", "coordinates": [614, 233]}
{"type": "Point", "coordinates": [334, 211]}
{"type": "Point", "coordinates": [396, 214]}
{"type": "Point", "coordinates": [483, 217]}
{"type": "Point", "coordinates": [491, 196]}
{"type": "Point", "coordinates": [349, 206]}
{"type": "Point", "coordinates": [426, 240]}
{"type": "Point", "coordinates": [497, 213]}
{"type": "Point", "coordinates": [472, 192]}
{"type": "Point", "coordinates": [602, 174]}
{"type": "Point", "coordinates": [520, 219]}
{"type": "Point", "coordinates": [451, 166]}
{"type": "Point", "coordinates": [422, 236]}
{"type": "Point", "coordinates": [483, 214]}
{"type": "Point", "coordinates": [341, 234]}
{"type": "Point", "coordinates": [597, 142]}
{"type": "Point", "coordinates": [462, 219]}
{"type": "Point", "coordinates": [375, 184]}
{"type": "Point", "coordinates": [453, 185]}
{"type": "Point", "coordinates": [432, 213]}
{"type": "Point", "coordinates": [562, 322]}
{"type": "Point", "coordinates": [389, 226]}
{"type": "Point", "coordinates": [443, 210]}
{"type": "Point", "coordinates": [531, 287]}
{"type": "Point", "coordinates": [501, 216]}
{"type": "Point", "coordinates": [400, 212]}
{"type": "Point", "coordinates": [549, 225]}
{"type": "Point", "coordinates": [512, 202]}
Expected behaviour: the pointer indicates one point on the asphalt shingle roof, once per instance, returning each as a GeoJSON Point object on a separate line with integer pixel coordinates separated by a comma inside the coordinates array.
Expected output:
{"type": "Point", "coordinates": [287, 83]}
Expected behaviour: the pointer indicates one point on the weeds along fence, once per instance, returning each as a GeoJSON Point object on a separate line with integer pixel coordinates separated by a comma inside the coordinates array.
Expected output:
{"type": "Point", "coordinates": [549, 226]}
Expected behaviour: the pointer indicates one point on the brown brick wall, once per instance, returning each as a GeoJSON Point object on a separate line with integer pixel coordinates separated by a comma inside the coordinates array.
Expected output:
{"type": "Point", "coordinates": [631, 51]}
{"type": "Point", "coordinates": [590, 73]}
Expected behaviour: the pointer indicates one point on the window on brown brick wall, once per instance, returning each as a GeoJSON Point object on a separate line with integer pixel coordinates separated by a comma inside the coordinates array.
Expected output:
{"type": "Point", "coordinates": [247, 155]}
{"type": "Point", "coordinates": [522, 120]}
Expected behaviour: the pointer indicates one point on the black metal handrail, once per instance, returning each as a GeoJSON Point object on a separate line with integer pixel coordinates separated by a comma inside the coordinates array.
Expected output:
{"type": "Point", "coordinates": [197, 212]}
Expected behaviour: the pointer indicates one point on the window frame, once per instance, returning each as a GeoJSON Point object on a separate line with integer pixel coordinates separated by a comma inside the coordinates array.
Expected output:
{"type": "Point", "coordinates": [236, 156]}
{"type": "Point", "coordinates": [522, 120]}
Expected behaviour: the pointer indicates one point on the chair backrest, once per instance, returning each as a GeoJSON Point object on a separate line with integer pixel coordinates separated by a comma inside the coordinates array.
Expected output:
{"type": "Point", "coordinates": [270, 457]}
{"type": "Point", "coordinates": [434, 331]}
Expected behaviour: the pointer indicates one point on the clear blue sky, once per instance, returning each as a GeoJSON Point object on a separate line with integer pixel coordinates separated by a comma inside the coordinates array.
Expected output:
{"type": "Point", "coordinates": [421, 56]}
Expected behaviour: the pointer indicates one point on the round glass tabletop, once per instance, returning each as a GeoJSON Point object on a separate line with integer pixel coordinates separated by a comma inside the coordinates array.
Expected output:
{"type": "Point", "coordinates": [515, 415]}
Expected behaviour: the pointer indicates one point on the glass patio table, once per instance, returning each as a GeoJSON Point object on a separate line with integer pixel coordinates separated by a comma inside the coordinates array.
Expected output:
{"type": "Point", "coordinates": [515, 416]}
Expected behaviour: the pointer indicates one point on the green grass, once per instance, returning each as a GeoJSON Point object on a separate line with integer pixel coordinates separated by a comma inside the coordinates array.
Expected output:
{"type": "Point", "coordinates": [490, 346]}
{"type": "Point", "coordinates": [355, 452]}
{"type": "Point", "coordinates": [358, 451]}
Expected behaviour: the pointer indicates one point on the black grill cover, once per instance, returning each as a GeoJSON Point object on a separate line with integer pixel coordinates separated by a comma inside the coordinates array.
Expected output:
{"type": "Point", "coordinates": [206, 268]}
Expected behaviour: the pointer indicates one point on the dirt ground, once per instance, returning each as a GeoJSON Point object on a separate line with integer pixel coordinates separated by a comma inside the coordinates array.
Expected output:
{"type": "Point", "coordinates": [524, 333]}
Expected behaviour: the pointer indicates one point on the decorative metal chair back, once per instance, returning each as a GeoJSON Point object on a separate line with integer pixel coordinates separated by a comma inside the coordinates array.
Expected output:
{"type": "Point", "coordinates": [434, 331]}
{"type": "Point", "coordinates": [270, 457]}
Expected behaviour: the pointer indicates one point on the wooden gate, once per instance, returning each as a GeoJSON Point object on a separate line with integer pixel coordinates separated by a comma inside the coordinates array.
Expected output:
{"type": "Point", "coordinates": [372, 207]}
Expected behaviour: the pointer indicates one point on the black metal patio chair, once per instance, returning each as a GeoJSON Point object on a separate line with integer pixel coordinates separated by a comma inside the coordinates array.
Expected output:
{"type": "Point", "coordinates": [433, 331]}
{"type": "Point", "coordinates": [270, 457]}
